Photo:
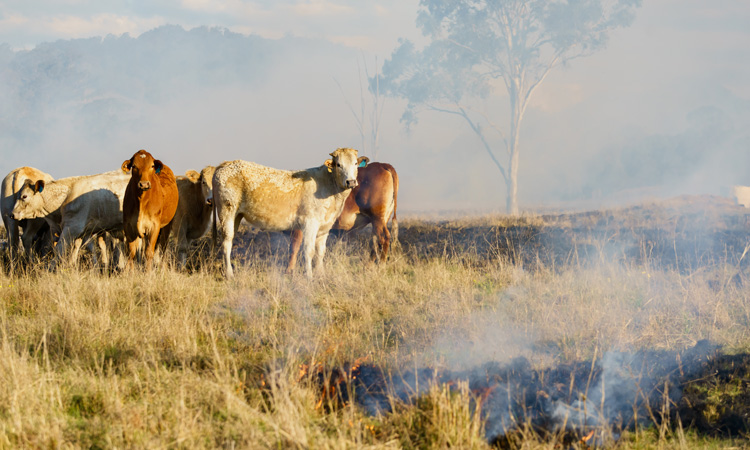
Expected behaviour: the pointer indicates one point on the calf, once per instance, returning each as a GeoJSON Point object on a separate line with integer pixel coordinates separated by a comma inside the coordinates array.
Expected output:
{"type": "Point", "coordinates": [76, 208]}
{"type": "Point", "coordinates": [149, 205]}
{"type": "Point", "coordinates": [272, 199]}
{"type": "Point", "coordinates": [193, 216]}
{"type": "Point", "coordinates": [12, 184]}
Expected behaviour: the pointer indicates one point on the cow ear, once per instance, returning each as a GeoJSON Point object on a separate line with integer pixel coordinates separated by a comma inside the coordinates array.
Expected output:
{"type": "Point", "coordinates": [158, 166]}
{"type": "Point", "coordinates": [39, 186]}
{"type": "Point", "coordinates": [192, 175]}
{"type": "Point", "coordinates": [126, 166]}
{"type": "Point", "coordinates": [329, 164]}
{"type": "Point", "coordinates": [363, 161]}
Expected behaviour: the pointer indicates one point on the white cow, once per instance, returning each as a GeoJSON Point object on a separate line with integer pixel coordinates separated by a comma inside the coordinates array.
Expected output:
{"type": "Point", "coordinates": [741, 194]}
{"type": "Point", "coordinates": [278, 200]}
{"type": "Point", "coordinates": [12, 183]}
{"type": "Point", "coordinates": [76, 208]}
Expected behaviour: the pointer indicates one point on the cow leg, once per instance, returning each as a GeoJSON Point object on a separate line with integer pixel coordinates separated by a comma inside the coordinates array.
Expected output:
{"type": "Point", "coordinates": [11, 225]}
{"type": "Point", "coordinates": [380, 240]}
{"type": "Point", "coordinates": [226, 232]}
{"type": "Point", "coordinates": [226, 246]}
{"type": "Point", "coordinates": [118, 252]}
{"type": "Point", "coordinates": [132, 250]}
{"type": "Point", "coordinates": [76, 250]}
{"type": "Point", "coordinates": [394, 233]}
{"type": "Point", "coordinates": [164, 238]}
{"type": "Point", "coordinates": [294, 245]}
{"type": "Point", "coordinates": [183, 245]}
{"type": "Point", "coordinates": [320, 250]}
{"type": "Point", "coordinates": [92, 250]}
{"type": "Point", "coordinates": [150, 241]}
{"type": "Point", "coordinates": [310, 234]}
{"type": "Point", "coordinates": [27, 238]}
{"type": "Point", "coordinates": [102, 244]}
{"type": "Point", "coordinates": [61, 249]}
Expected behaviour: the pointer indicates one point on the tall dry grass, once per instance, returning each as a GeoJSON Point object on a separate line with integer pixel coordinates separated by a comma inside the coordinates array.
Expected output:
{"type": "Point", "coordinates": [189, 360]}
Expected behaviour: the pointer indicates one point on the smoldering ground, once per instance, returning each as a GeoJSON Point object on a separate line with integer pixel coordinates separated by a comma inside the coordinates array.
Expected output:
{"type": "Point", "coordinates": [528, 378]}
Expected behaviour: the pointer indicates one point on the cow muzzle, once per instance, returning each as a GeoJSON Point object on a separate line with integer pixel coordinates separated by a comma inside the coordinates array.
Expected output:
{"type": "Point", "coordinates": [351, 184]}
{"type": "Point", "coordinates": [210, 201]}
{"type": "Point", "coordinates": [144, 185]}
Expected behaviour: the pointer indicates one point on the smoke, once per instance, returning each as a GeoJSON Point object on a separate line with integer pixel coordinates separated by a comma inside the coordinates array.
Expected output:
{"type": "Point", "coordinates": [620, 391]}
{"type": "Point", "coordinates": [637, 119]}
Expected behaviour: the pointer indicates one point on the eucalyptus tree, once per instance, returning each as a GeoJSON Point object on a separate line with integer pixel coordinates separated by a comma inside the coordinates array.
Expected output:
{"type": "Point", "coordinates": [473, 43]}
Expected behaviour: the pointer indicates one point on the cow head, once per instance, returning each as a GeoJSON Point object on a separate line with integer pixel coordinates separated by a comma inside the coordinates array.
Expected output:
{"type": "Point", "coordinates": [343, 166]}
{"type": "Point", "coordinates": [143, 167]}
{"type": "Point", "coordinates": [29, 202]}
{"type": "Point", "coordinates": [206, 180]}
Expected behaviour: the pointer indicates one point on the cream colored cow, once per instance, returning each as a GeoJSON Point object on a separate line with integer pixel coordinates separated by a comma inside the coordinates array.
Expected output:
{"type": "Point", "coordinates": [273, 199]}
{"type": "Point", "coordinates": [194, 209]}
{"type": "Point", "coordinates": [741, 194]}
{"type": "Point", "coordinates": [76, 208]}
{"type": "Point", "coordinates": [12, 183]}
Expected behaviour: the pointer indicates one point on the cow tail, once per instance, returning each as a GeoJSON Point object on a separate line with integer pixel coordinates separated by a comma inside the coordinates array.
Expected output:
{"type": "Point", "coordinates": [394, 222]}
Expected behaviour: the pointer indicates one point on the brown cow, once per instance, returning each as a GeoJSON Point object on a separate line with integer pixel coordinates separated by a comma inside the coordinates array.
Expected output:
{"type": "Point", "coordinates": [150, 204]}
{"type": "Point", "coordinates": [194, 209]}
{"type": "Point", "coordinates": [372, 201]}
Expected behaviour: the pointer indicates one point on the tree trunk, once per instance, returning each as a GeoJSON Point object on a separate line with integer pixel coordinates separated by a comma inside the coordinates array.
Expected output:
{"type": "Point", "coordinates": [516, 114]}
{"type": "Point", "coordinates": [511, 203]}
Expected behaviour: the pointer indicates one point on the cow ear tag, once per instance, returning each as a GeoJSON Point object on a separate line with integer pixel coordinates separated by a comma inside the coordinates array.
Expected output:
{"type": "Point", "coordinates": [158, 169]}
{"type": "Point", "coordinates": [362, 163]}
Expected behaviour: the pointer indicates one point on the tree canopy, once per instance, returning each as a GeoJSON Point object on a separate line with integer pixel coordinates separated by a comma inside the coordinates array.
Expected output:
{"type": "Point", "coordinates": [471, 43]}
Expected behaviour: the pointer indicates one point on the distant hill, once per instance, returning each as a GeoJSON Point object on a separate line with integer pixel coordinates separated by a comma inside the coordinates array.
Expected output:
{"type": "Point", "coordinates": [87, 93]}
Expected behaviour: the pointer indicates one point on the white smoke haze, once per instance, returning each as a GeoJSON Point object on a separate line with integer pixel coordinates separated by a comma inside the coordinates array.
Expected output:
{"type": "Point", "coordinates": [659, 112]}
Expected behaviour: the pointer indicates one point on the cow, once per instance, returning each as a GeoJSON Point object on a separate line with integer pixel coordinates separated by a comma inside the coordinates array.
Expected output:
{"type": "Point", "coordinates": [149, 206]}
{"type": "Point", "coordinates": [194, 209]}
{"type": "Point", "coordinates": [741, 195]}
{"type": "Point", "coordinates": [374, 202]}
{"type": "Point", "coordinates": [76, 208]}
{"type": "Point", "coordinates": [279, 200]}
{"type": "Point", "coordinates": [12, 183]}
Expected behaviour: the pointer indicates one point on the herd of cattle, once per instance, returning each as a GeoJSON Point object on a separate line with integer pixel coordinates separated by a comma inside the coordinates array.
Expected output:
{"type": "Point", "coordinates": [143, 202]}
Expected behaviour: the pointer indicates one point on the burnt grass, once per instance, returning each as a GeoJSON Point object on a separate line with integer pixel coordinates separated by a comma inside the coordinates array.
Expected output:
{"type": "Point", "coordinates": [683, 234]}
{"type": "Point", "coordinates": [700, 389]}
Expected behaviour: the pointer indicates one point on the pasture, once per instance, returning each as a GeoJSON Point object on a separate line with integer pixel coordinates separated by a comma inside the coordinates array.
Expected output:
{"type": "Point", "coordinates": [623, 328]}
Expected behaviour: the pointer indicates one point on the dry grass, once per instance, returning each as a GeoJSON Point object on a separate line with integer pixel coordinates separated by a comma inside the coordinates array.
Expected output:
{"type": "Point", "coordinates": [170, 359]}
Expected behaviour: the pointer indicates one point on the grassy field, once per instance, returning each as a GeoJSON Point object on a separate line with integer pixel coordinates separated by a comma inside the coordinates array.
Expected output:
{"type": "Point", "coordinates": [188, 360]}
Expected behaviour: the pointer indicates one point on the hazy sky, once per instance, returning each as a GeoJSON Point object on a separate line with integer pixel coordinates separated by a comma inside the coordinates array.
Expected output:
{"type": "Point", "coordinates": [679, 55]}
{"type": "Point", "coordinates": [371, 25]}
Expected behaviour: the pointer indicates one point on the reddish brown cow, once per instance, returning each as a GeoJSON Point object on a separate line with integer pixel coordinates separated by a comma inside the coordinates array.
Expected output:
{"type": "Point", "coordinates": [372, 201]}
{"type": "Point", "coordinates": [149, 205]}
